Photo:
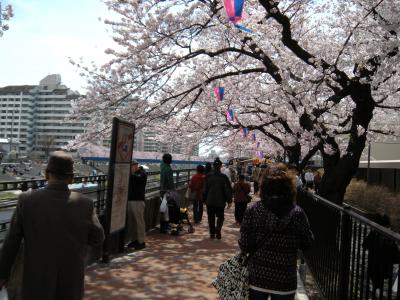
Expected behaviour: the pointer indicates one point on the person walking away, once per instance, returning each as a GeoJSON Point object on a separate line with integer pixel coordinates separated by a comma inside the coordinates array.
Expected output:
{"type": "Point", "coordinates": [136, 206]}
{"type": "Point", "coordinates": [208, 168]}
{"type": "Point", "coordinates": [272, 231]}
{"type": "Point", "coordinates": [56, 226]}
{"type": "Point", "coordinates": [309, 178]}
{"type": "Point", "coordinates": [317, 181]}
{"type": "Point", "coordinates": [217, 194]}
{"type": "Point", "coordinates": [196, 193]}
{"type": "Point", "coordinates": [256, 177]}
{"type": "Point", "coordinates": [166, 184]}
{"type": "Point", "coordinates": [241, 190]}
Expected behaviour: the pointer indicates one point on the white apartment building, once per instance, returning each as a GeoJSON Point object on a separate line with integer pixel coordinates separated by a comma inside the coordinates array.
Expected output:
{"type": "Point", "coordinates": [145, 140]}
{"type": "Point", "coordinates": [32, 117]}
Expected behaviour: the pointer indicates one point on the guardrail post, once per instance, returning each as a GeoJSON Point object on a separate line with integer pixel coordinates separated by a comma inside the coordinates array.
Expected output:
{"type": "Point", "coordinates": [345, 254]}
{"type": "Point", "coordinates": [177, 179]}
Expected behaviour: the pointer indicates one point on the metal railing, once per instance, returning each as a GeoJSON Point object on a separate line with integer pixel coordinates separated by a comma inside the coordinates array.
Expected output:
{"type": "Point", "coordinates": [95, 187]}
{"type": "Point", "coordinates": [352, 257]}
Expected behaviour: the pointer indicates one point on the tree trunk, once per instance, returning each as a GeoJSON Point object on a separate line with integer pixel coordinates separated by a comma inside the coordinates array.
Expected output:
{"type": "Point", "coordinates": [340, 170]}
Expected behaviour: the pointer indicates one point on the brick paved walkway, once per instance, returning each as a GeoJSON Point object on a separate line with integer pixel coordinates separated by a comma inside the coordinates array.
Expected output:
{"type": "Point", "coordinates": [170, 267]}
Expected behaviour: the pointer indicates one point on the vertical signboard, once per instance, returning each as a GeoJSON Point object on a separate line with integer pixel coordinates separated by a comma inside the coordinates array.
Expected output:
{"type": "Point", "coordinates": [119, 170]}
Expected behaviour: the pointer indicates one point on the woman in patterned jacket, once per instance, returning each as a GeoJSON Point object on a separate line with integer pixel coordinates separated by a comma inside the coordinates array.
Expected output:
{"type": "Point", "coordinates": [272, 231]}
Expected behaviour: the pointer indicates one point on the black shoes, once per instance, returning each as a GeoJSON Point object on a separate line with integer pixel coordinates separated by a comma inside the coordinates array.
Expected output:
{"type": "Point", "coordinates": [219, 235]}
{"type": "Point", "coordinates": [132, 244]}
{"type": "Point", "coordinates": [136, 245]}
{"type": "Point", "coordinates": [140, 246]}
{"type": "Point", "coordinates": [212, 236]}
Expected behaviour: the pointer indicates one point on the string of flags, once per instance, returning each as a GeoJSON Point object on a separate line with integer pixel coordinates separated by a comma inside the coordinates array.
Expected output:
{"type": "Point", "coordinates": [234, 11]}
{"type": "Point", "coordinates": [232, 118]}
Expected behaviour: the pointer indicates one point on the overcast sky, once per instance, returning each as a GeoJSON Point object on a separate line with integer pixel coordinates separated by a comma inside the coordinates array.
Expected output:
{"type": "Point", "coordinates": [43, 34]}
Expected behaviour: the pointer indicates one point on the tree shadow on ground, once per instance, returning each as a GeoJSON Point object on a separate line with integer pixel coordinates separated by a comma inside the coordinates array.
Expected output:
{"type": "Point", "coordinates": [170, 267]}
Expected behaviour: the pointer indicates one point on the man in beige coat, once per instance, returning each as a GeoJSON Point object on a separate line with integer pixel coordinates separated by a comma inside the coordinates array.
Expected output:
{"type": "Point", "coordinates": [56, 226]}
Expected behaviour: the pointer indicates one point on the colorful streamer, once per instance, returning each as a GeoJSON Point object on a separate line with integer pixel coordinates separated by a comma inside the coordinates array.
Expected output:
{"type": "Point", "coordinates": [258, 145]}
{"type": "Point", "coordinates": [253, 136]}
{"type": "Point", "coordinates": [243, 28]}
{"type": "Point", "coordinates": [219, 92]}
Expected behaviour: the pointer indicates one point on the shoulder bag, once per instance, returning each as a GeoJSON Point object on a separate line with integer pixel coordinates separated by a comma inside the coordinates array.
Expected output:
{"type": "Point", "coordinates": [232, 281]}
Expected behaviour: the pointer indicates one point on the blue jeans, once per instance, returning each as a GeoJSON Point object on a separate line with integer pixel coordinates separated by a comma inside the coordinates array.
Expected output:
{"type": "Point", "coordinates": [258, 295]}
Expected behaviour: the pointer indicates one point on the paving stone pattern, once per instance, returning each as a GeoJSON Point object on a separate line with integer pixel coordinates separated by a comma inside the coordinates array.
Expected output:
{"type": "Point", "coordinates": [170, 267]}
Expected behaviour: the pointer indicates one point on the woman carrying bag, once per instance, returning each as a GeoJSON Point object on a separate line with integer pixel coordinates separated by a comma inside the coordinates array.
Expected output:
{"type": "Point", "coordinates": [272, 231]}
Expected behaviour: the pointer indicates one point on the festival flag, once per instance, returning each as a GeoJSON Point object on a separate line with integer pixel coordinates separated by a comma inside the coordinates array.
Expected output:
{"type": "Point", "coordinates": [245, 131]}
{"type": "Point", "coordinates": [258, 145]}
{"type": "Point", "coordinates": [234, 9]}
{"type": "Point", "coordinates": [219, 92]}
{"type": "Point", "coordinates": [253, 136]}
{"type": "Point", "coordinates": [230, 115]}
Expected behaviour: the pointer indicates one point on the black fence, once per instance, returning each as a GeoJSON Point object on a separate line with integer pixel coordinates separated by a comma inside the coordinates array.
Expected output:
{"type": "Point", "coordinates": [95, 187]}
{"type": "Point", "coordinates": [352, 257]}
{"type": "Point", "coordinates": [381, 176]}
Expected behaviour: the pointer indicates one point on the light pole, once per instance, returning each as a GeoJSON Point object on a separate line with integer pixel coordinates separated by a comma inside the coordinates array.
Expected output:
{"type": "Point", "coordinates": [369, 160]}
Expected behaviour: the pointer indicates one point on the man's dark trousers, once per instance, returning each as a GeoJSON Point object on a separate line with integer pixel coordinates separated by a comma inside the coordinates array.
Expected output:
{"type": "Point", "coordinates": [212, 212]}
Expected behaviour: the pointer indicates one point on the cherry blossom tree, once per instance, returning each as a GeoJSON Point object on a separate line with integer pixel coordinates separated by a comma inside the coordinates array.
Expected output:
{"type": "Point", "coordinates": [5, 15]}
{"type": "Point", "coordinates": [312, 76]}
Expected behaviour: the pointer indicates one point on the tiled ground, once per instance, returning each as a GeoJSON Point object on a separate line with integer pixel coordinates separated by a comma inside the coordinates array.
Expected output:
{"type": "Point", "coordinates": [170, 267]}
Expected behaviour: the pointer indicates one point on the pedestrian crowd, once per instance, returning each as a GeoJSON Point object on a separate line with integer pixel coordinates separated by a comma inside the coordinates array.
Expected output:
{"type": "Point", "coordinates": [53, 226]}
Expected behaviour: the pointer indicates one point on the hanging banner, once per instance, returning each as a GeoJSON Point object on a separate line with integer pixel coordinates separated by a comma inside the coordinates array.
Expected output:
{"type": "Point", "coordinates": [219, 93]}
{"type": "Point", "coordinates": [234, 9]}
{"type": "Point", "coordinates": [230, 115]}
{"type": "Point", "coordinates": [244, 131]}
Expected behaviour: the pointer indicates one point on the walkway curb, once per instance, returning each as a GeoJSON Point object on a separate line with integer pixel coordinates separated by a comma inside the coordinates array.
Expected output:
{"type": "Point", "coordinates": [301, 291]}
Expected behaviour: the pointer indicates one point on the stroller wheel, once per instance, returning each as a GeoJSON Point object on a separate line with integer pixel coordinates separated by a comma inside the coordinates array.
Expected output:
{"type": "Point", "coordinates": [191, 229]}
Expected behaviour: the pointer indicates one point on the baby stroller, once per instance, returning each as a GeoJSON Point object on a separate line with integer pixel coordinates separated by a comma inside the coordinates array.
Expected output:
{"type": "Point", "coordinates": [178, 214]}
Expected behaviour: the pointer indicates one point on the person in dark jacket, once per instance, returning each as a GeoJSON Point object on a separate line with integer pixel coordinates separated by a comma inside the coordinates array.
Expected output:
{"type": "Point", "coordinates": [272, 231]}
{"type": "Point", "coordinates": [136, 206]}
{"type": "Point", "coordinates": [208, 168]}
{"type": "Point", "coordinates": [166, 184]}
{"type": "Point", "coordinates": [241, 190]}
{"type": "Point", "coordinates": [217, 194]}
{"type": "Point", "coordinates": [56, 225]}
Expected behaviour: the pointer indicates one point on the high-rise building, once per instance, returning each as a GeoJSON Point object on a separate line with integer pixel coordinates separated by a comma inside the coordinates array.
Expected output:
{"type": "Point", "coordinates": [146, 140]}
{"type": "Point", "coordinates": [33, 117]}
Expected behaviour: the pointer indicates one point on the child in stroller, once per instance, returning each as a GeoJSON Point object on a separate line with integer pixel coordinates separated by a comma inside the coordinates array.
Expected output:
{"type": "Point", "coordinates": [178, 214]}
